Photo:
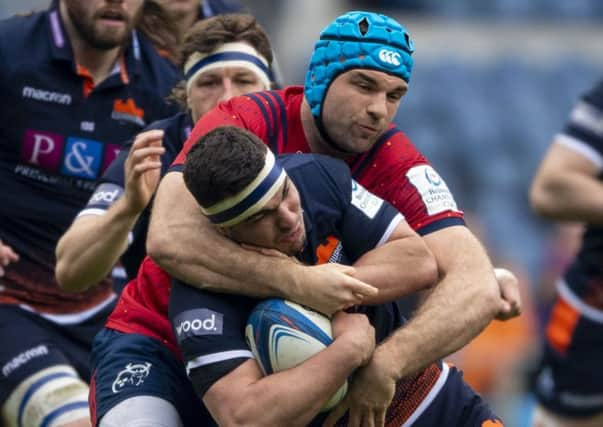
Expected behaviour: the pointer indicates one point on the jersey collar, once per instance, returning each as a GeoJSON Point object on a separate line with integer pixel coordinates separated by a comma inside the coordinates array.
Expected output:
{"type": "Point", "coordinates": [61, 47]}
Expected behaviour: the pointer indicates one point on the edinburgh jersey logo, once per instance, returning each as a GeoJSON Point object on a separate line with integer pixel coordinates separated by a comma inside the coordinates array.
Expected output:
{"type": "Point", "coordinates": [128, 110]}
{"type": "Point", "coordinates": [66, 156]}
{"type": "Point", "coordinates": [331, 250]}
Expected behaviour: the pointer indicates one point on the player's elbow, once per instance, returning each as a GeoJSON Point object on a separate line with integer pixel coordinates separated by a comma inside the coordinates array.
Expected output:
{"type": "Point", "coordinates": [543, 198]}
{"type": "Point", "coordinates": [159, 247]}
{"type": "Point", "coordinates": [71, 274]}
{"type": "Point", "coordinates": [65, 277]}
{"type": "Point", "coordinates": [427, 271]}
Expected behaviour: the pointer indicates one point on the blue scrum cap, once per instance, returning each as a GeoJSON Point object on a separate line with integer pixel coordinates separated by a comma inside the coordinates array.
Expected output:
{"type": "Point", "coordinates": [357, 40]}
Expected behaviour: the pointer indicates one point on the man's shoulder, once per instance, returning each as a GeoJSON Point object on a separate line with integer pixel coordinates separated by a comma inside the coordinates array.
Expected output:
{"type": "Point", "coordinates": [271, 100]}
{"type": "Point", "coordinates": [393, 151]}
{"type": "Point", "coordinates": [595, 95]}
{"type": "Point", "coordinates": [176, 128]}
{"type": "Point", "coordinates": [156, 72]}
{"type": "Point", "coordinates": [396, 141]}
{"type": "Point", "coordinates": [22, 23]}
{"type": "Point", "coordinates": [170, 123]}
{"type": "Point", "coordinates": [18, 31]}
{"type": "Point", "coordinates": [307, 162]}
{"type": "Point", "coordinates": [220, 7]}
{"type": "Point", "coordinates": [320, 179]}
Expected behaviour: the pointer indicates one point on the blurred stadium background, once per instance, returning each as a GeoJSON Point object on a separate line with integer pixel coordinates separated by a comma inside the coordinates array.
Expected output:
{"type": "Point", "coordinates": [493, 81]}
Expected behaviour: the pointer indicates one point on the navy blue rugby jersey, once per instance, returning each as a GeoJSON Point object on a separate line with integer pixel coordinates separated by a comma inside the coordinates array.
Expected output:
{"type": "Point", "coordinates": [335, 208]}
{"type": "Point", "coordinates": [584, 134]}
{"type": "Point", "coordinates": [58, 133]}
{"type": "Point", "coordinates": [111, 185]}
{"type": "Point", "coordinates": [209, 8]}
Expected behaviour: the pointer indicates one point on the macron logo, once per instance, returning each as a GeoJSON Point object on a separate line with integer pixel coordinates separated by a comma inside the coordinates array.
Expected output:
{"type": "Point", "coordinates": [23, 358]}
{"type": "Point", "coordinates": [46, 95]}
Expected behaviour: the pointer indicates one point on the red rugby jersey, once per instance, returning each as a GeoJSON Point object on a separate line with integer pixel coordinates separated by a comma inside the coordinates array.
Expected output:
{"type": "Point", "coordinates": [393, 169]}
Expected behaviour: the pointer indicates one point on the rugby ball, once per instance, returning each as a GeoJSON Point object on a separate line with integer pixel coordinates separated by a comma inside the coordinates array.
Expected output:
{"type": "Point", "coordinates": [282, 334]}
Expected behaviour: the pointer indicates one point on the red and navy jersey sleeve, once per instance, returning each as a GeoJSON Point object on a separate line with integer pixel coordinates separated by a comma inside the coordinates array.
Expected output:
{"type": "Point", "coordinates": [243, 111]}
{"type": "Point", "coordinates": [397, 172]}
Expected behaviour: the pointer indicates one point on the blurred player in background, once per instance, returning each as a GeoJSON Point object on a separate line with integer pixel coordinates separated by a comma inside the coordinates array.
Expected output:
{"type": "Point", "coordinates": [75, 80]}
{"type": "Point", "coordinates": [223, 56]}
{"type": "Point", "coordinates": [569, 187]}
{"type": "Point", "coordinates": [185, 13]}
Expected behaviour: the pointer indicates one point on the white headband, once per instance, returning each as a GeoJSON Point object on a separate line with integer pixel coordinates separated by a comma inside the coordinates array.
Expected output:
{"type": "Point", "coordinates": [250, 200]}
{"type": "Point", "coordinates": [235, 54]}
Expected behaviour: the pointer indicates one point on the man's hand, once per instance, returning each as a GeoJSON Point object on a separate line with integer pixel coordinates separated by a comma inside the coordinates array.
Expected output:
{"type": "Point", "coordinates": [7, 255]}
{"type": "Point", "coordinates": [510, 306]}
{"type": "Point", "coordinates": [332, 287]}
{"type": "Point", "coordinates": [369, 396]}
{"type": "Point", "coordinates": [143, 169]}
{"type": "Point", "coordinates": [327, 288]}
{"type": "Point", "coordinates": [357, 330]}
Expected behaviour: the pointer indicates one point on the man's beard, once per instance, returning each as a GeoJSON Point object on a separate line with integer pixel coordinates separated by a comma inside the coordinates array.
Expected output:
{"type": "Point", "coordinates": [106, 40]}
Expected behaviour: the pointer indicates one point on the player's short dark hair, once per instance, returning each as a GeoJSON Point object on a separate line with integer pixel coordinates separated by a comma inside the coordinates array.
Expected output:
{"type": "Point", "coordinates": [222, 163]}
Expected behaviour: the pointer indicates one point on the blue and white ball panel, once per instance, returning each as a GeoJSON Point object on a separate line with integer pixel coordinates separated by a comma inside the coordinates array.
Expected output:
{"type": "Point", "coordinates": [282, 334]}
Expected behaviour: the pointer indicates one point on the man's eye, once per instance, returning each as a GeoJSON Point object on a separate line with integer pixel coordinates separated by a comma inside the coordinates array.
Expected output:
{"type": "Point", "coordinates": [256, 218]}
{"type": "Point", "coordinates": [206, 83]}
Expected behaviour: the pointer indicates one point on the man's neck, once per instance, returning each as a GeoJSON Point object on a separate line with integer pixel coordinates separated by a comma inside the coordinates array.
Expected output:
{"type": "Point", "coordinates": [98, 62]}
{"type": "Point", "coordinates": [315, 140]}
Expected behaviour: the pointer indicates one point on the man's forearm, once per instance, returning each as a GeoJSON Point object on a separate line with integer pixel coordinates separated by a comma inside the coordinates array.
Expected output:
{"type": "Point", "coordinates": [187, 246]}
{"type": "Point", "coordinates": [571, 197]}
{"type": "Point", "coordinates": [463, 302]}
{"type": "Point", "coordinates": [397, 268]}
{"type": "Point", "coordinates": [567, 186]}
{"type": "Point", "coordinates": [92, 245]}
{"type": "Point", "coordinates": [290, 397]}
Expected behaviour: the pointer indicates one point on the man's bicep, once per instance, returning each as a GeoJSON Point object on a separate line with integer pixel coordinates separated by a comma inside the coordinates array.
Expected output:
{"type": "Point", "coordinates": [173, 207]}
{"type": "Point", "coordinates": [402, 230]}
{"type": "Point", "coordinates": [452, 245]}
